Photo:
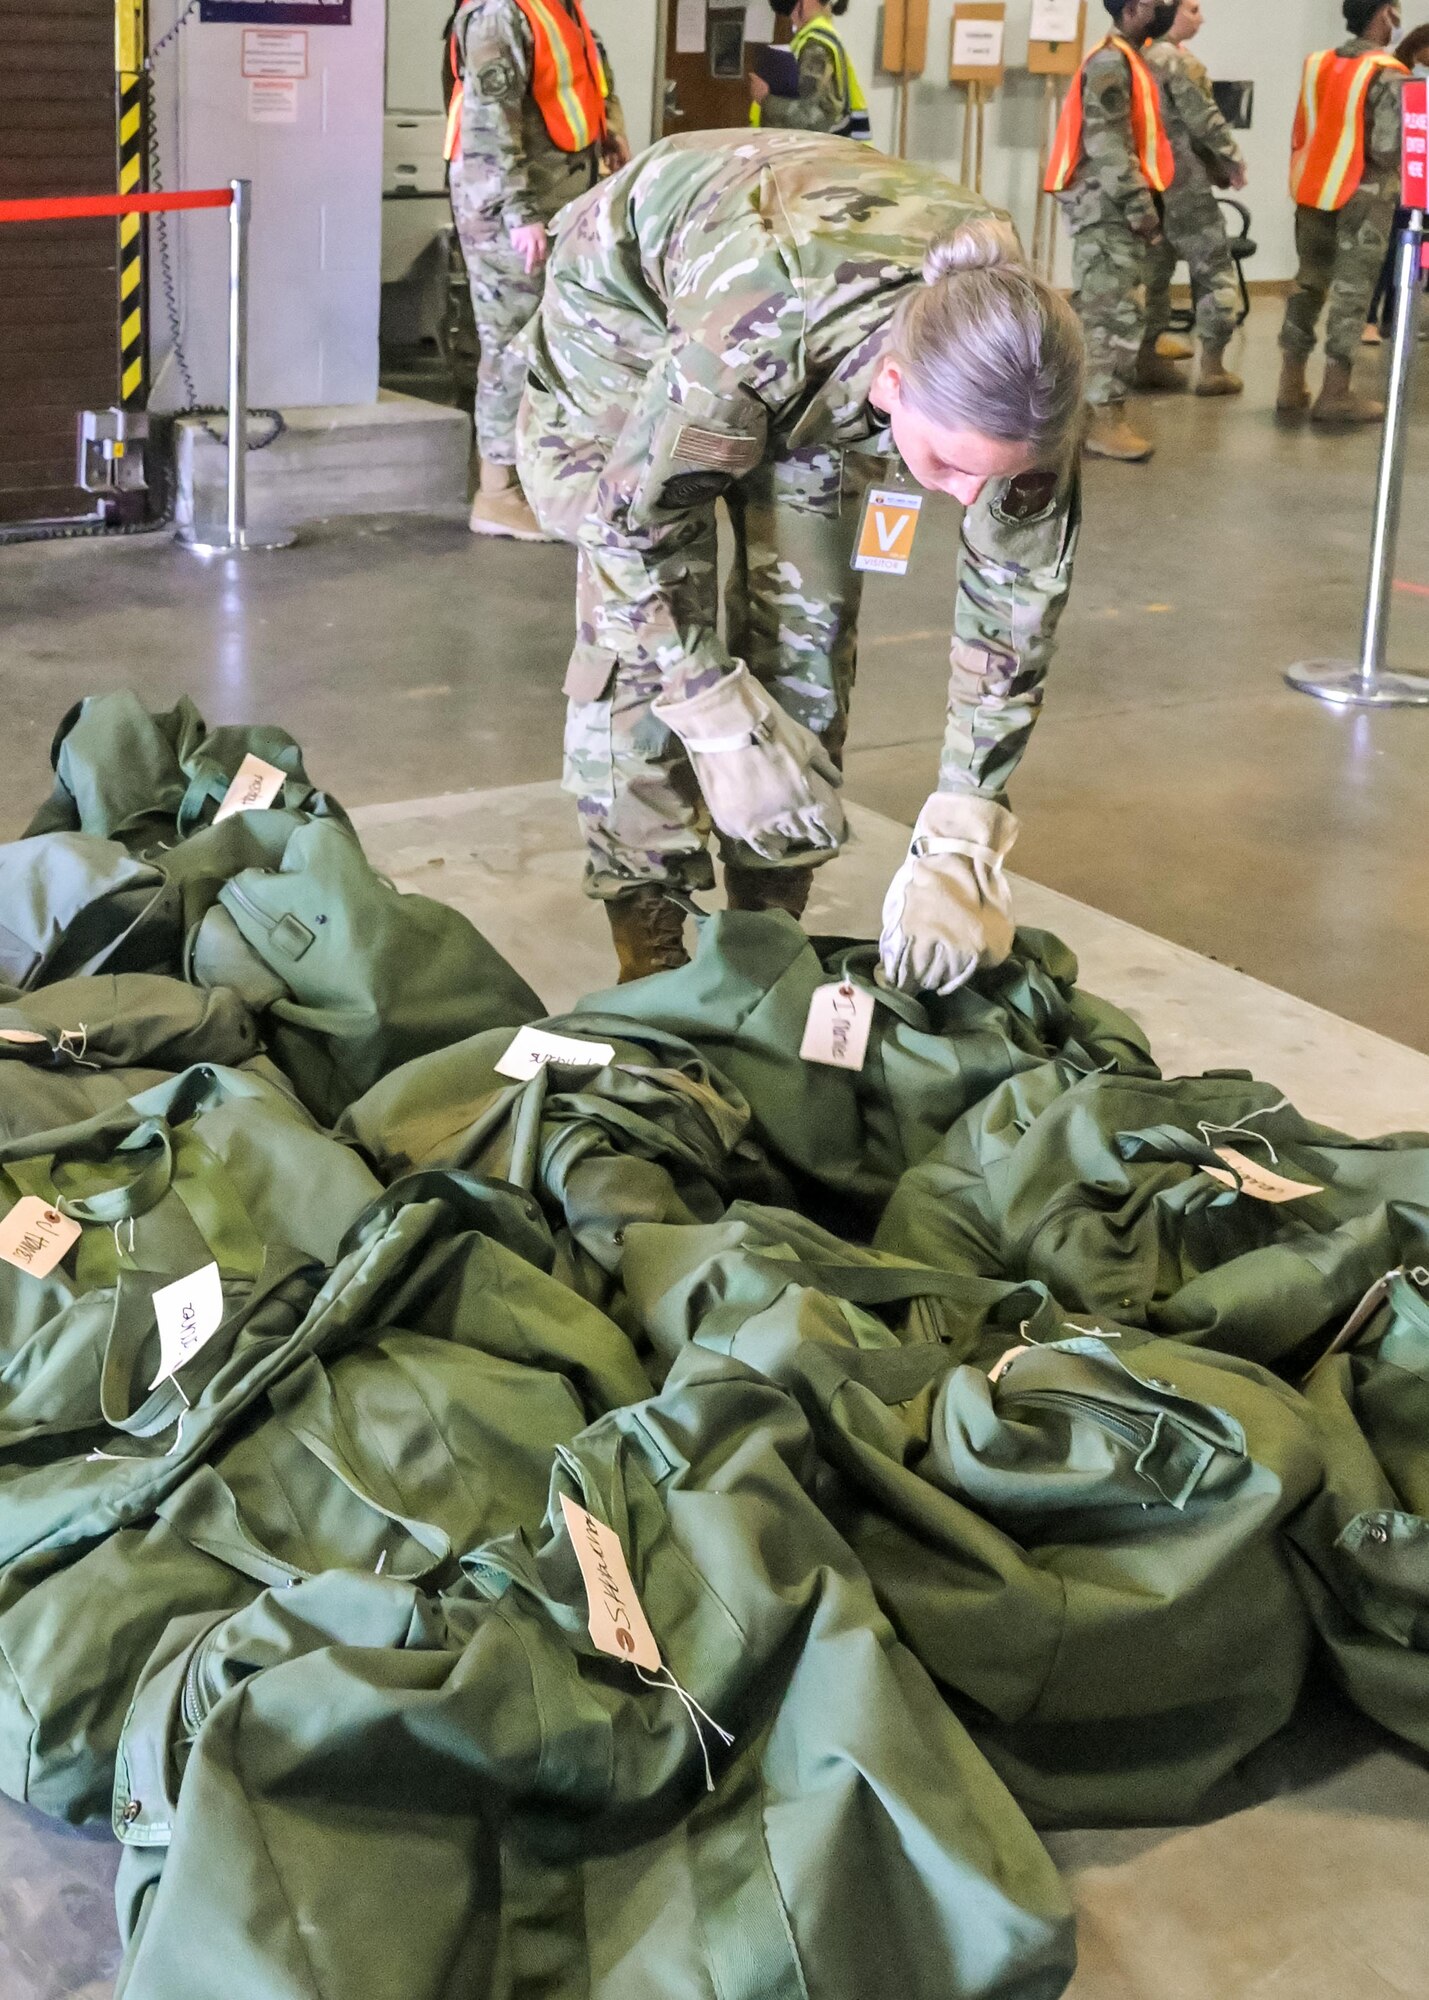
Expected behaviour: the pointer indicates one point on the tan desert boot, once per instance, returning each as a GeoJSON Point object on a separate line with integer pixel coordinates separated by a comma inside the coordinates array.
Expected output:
{"type": "Point", "coordinates": [1215, 379]}
{"type": "Point", "coordinates": [501, 508]}
{"type": "Point", "coordinates": [1337, 402]}
{"type": "Point", "coordinates": [1109, 435]}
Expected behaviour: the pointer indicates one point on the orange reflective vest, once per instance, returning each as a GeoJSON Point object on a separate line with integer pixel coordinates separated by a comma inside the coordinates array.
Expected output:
{"type": "Point", "coordinates": [568, 80]}
{"type": "Point", "coordinates": [1328, 148]}
{"type": "Point", "coordinates": [1148, 128]}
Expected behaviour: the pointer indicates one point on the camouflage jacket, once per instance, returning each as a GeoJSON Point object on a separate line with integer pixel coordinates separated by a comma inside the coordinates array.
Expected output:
{"type": "Point", "coordinates": [1382, 113]}
{"type": "Point", "coordinates": [822, 102]}
{"type": "Point", "coordinates": [1108, 185]}
{"type": "Point", "coordinates": [510, 165]}
{"type": "Point", "coordinates": [1204, 144]}
{"type": "Point", "coordinates": [726, 301]}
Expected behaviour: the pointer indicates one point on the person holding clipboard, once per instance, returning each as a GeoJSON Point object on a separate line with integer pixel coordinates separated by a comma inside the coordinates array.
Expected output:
{"type": "Point", "coordinates": [811, 85]}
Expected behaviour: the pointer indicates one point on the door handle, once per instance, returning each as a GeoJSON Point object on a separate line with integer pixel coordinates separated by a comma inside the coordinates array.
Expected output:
{"type": "Point", "coordinates": [673, 107]}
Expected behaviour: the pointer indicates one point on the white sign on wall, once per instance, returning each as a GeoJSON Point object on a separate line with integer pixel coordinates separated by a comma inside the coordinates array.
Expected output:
{"type": "Point", "coordinates": [1055, 20]}
{"type": "Point", "coordinates": [978, 44]}
{"type": "Point", "coordinates": [275, 52]}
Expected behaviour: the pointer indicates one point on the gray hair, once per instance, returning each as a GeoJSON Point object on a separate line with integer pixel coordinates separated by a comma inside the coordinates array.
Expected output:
{"type": "Point", "coordinates": [986, 346]}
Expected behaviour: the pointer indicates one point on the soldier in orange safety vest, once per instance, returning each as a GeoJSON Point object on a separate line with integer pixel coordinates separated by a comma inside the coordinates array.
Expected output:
{"type": "Point", "coordinates": [532, 120]}
{"type": "Point", "coordinates": [1344, 175]}
{"type": "Point", "coordinates": [1111, 162]}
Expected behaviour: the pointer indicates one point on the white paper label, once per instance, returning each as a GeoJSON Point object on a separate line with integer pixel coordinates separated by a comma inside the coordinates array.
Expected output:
{"type": "Point", "coordinates": [269, 52]}
{"type": "Point", "coordinates": [22, 1037]}
{"type": "Point", "coordinates": [1257, 1180]}
{"type": "Point", "coordinates": [1055, 20]}
{"type": "Point", "coordinates": [189, 1313]}
{"type": "Point", "coordinates": [254, 788]}
{"type": "Point", "coordinates": [618, 1624]}
{"type": "Point", "coordinates": [34, 1236]}
{"type": "Point", "coordinates": [272, 100]}
{"type": "Point", "coordinates": [836, 1032]}
{"type": "Point", "coordinates": [533, 1049]}
{"type": "Point", "coordinates": [690, 20]}
{"type": "Point", "coordinates": [977, 44]}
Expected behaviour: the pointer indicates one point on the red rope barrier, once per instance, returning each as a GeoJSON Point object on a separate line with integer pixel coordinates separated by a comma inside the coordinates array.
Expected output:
{"type": "Point", "coordinates": [65, 207]}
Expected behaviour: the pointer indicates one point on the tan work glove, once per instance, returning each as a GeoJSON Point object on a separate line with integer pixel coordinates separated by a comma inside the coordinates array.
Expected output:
{"type": "Point", "coordinates": [949, 910]}
{"type": "Point", "coordinates": [766, 779]}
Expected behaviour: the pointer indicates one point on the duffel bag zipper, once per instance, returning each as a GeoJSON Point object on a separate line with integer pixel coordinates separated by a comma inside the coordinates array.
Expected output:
{"type": "Point", "coordinates": [1138, 1432]}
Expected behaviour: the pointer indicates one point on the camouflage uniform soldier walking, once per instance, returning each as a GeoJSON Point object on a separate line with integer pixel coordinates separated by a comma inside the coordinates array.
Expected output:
{"type": "Point", "coordinates": [1345, 177]}
{"type": "Point", "coordinates": [1111, 164]}
{"type": "Point", "coordinates": [763, 320]}
{"type": "Point", "coordinates": [1207, 157]}
{"type": "Point", "coordinates": [532, 120]}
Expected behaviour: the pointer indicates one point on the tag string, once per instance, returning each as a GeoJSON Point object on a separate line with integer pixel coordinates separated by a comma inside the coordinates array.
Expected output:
{"type": "Point", "coordinates": [696, 1714]}
{"type": "Point", "coordinates": [1244, 1130]}
{"type": "Point", "coordinates": [66, 1046]}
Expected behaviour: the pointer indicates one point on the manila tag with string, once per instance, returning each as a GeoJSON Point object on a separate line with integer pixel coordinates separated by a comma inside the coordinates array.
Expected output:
{"type": "Point", "coordinates": [616, 1617]}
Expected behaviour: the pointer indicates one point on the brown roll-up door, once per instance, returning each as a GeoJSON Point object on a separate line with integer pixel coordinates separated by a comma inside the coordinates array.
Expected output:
{"type": "Point", "coordinates": [59, 313]}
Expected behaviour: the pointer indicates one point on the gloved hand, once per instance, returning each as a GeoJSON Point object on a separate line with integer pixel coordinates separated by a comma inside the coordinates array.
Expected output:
{"type": "Point", "coordinates": [949, 910]}
{"type": "Point", "coordinates": [766, 779]}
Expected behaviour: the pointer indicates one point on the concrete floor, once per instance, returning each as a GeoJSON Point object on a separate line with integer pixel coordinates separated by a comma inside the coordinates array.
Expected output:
{"type": "Point", "coordinates": [1173, 781]}
{"type": "Point", "coordinates": [1174, 784]}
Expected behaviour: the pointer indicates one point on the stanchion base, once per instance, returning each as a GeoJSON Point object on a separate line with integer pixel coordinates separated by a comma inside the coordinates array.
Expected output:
{"type": "Point", "coordinates": [1341, 683]}
{"type": "Point", "coordinates": [247, 542]}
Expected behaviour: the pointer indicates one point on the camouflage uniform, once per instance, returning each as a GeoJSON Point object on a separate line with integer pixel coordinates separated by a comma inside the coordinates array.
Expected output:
{"type": "Point", "coordinates": [1112, 214]}
{"type": "Point", "coordinates": [822, 103]}
{"type": "Point", "coordinates": [1342, 251]}
{"type": "Point", "coordinates": [712, 322]}
{"type": "Point", "coordinates": [1206, 155]}
{"type": "Point", "coordinates": [508, 173]}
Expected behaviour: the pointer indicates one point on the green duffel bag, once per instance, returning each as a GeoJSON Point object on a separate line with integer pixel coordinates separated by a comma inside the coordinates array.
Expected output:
{"type": "Point", "coordinates": [1103, 1189]}
{"type": "Point", "coordinates": [846, 1136]}
{"type": "Point", "coordinates": [351, 977]}
{"type": "Point", "coordinates": [1363, 1542]}
{"type": "Point", "coordinates": [652, 1135]}
{"type": "Point", "coordinates": [509, 1809]}
{"type": "Point", "coordinates": [72, 904]}
{"type": "Point", "coordinates": [1086, 1553]}
{"type": "Point", "coordinates": [122, 1021]}
{"type": "Point", "coordinates": [393, 1458]}
{"type": "Point", "coordinates": [146, 780]}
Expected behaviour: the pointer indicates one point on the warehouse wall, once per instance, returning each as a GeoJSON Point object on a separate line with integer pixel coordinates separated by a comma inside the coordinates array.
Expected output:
{"type": "Point", "coordinates": [629, 29]}
{"type": "Point", "coordinates": [1264, 40]}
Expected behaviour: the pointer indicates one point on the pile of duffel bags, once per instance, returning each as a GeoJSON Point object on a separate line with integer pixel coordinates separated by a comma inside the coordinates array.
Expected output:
{"type": "Point", "coordinates": [661, 1516]}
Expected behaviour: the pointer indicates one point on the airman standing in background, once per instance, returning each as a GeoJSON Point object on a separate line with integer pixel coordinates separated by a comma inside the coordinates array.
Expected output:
{"type": "Point", "coordinates": [1207, 158]}
{"type": "Point", "coordinates": [534, 118]}
{"type": "Point", "coordinates": [1111, 164]}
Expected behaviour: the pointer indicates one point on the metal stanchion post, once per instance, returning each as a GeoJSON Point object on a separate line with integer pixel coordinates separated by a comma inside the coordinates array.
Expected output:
{"type": "Point", "coordinates": [1369, 684]}
{"type": "Point", "coordinates": [235, 537]}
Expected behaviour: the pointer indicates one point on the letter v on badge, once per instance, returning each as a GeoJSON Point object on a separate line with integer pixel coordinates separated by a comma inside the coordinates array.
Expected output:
{"type": "Point", "coordinates": [885, 534]}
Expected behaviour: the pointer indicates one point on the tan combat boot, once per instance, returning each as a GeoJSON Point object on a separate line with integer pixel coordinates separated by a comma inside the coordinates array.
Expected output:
{"type": "Point", "coordinates": [1154, 372]}
{"type": "Point", "coordinates": [1294, 391]}
{"type": "Point", "coordinates": [769, 888]}
{"type": "Point", "coordinates": [649, 933]}
{"type": "Point", "coordinates": [1215, 379]}
{"type": "Point", "coordinates": [1171, 347]}
{"type": "Point", "coordinates": [1109, 435]}
{"type": "Point", "coordinates": [1337, 402]}
{"type": "Point", "coordinates": [501, 508]}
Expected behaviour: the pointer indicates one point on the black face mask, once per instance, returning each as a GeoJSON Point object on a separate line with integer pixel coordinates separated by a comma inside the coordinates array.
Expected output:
{"type": "Point", "coordinates": [1163, 21]}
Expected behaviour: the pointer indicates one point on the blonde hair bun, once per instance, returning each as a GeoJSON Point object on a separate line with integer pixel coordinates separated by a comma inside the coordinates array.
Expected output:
{"type": "Point", "coordinates": [988, 244]}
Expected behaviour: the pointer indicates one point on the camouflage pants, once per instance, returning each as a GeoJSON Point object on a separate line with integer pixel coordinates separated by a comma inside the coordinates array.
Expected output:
{"type": "Point", "coordinates": [1341, 256]}
{"type": "Point", "coordinates": [1109, 273]}
{"type": "Point", "coordinates": [503, 298]}
{"type": "Point", "coordinates": [1195, 230]}
{"type": "Point", "coordinates": [791, 611]}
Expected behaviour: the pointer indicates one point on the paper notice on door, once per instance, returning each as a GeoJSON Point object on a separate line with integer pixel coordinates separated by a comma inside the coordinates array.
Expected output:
{"type": "Point", "coordinates": [1257, 1180]}
{"type": "Point", "coordinates": [977, 44]}
{"type": "Point", "coordinates": [836, 1032]}
{"type": "Point", "coordinates": [1055, 20]}
{"type": "Point", "coordinates": [272, 100]}
{"type": "Point", "coordinates": [254, 788]}
{"type": "Point", "coordinates": [189, 1313]}
{"type": "Point", "coordinates": [272, 52]}
{"type": "Point", "coordinates": [617, 1620]}
{"type": "Point", "coordinates": [34, 1236]}
{"type": "Point", "coordinates": [691, 20]}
